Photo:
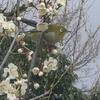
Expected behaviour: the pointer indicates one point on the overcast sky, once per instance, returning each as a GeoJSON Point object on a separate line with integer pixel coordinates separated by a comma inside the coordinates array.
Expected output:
{"type": "Point", "coordinates": [94, 21]}
{"type": "Point", "coordinates": [94, 13]}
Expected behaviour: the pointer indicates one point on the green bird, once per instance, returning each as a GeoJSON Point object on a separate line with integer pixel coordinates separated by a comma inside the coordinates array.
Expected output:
{"type": "Point", "coordinates": [53, 34]}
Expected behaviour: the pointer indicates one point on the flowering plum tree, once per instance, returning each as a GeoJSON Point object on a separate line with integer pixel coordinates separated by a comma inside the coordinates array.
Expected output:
{"type": "Point", "coordinates": [35, 64]}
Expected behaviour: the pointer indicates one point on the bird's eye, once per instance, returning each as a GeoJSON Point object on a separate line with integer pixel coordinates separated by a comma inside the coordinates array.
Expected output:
{"type": "Point", "coordinates": [61, 30]}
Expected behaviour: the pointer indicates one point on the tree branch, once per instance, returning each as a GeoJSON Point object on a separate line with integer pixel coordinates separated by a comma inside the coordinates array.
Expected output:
{"type": "Point", "coordinates": [40, 96]}
{"type": "Point", "coordinates": [9, 14]}
{"type": "Point", "coordinates": [33, 61]}
{"type": "Point", "coordinates": [29, 22]}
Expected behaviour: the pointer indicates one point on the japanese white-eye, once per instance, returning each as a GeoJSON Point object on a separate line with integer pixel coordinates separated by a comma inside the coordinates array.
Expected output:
{"type": "Point", "coordinates": [53, 34]}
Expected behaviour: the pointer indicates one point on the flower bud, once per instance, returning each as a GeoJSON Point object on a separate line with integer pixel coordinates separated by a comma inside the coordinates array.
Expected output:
{"type": "Point", "coordinates": [22, 42]}
{"type": "Point", "coordinates": [54, 51]}
{"type": "Point", "coordinates": [50, 3]}
{"type": "Point", "coordinates": [25, 75]}
{"type": "Point", "coordinates": [18, 18]}
{"type": "Point", "coordinates": [36, 86]}
{"type": "Point", "coordinates": [40, 16]}
{"type": "Point", "coordinates": [29, 54]}
{"type": "Point", "coordinates": [40, 73]}
{"type": "Point", "coordinates": [20, 50]}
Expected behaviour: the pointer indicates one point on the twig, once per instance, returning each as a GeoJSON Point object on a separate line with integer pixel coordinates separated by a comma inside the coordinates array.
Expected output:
{"type": "Point", "coordinates": [40, 96]}
{"type": "Point", "coordinates": [9, 51]}
{"type": "Point", "coordinates": [2, 40]}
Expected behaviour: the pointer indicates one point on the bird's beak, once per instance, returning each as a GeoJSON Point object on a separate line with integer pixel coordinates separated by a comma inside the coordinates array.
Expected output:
{"type": "Point", "coordinates": [68, 31]}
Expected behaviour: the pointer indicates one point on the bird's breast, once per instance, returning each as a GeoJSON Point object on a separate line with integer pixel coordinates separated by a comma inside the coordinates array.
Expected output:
{"type": "Point", "coordinates": [51, 38]}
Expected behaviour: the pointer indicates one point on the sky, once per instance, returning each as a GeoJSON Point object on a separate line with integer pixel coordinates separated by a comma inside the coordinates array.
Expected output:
{"type": "Point", "coordinates": [94, 13]}
{"type": "Point", "coordinates": [94, 22]}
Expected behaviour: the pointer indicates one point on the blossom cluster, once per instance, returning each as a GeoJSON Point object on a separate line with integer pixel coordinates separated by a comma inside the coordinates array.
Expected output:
{"type": "Point", "coordinates": [46, 9]}
{"type": "Point", "coordinates": [47, 66]}
{"type": "Point", "coordinates": [49, 8]}
{"type": "Point", "coordinates": [12, 85]}
{"type": "Point", "coordinates": [7, 27]}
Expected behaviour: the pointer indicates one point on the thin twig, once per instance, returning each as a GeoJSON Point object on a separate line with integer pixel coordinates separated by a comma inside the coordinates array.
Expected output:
{"type": "Point", "coordinates": [40, 96]}
{"type": "Point", "coordinates": [71, 66]}
{"type": "Point", "coordinates": [9, 51]}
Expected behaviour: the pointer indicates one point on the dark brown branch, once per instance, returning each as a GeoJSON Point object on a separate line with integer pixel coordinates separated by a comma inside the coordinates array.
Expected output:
{"type": "Point", "coordinates": [22, 8]}
{"type": "Point", "coordinates": [29, 22]}
{"type": "Point", "coordinates": [26, 21]}
{"type": "Point", "coordinates": [33, 61]}
{"type": "Point", "coordinates": [2, 11]}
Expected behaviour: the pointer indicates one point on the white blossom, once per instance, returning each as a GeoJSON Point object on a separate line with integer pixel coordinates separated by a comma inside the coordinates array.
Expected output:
{"type": "Point", "coordinates": [30, 1]}
{"type": "Point", "coordinates": [50, 64]}
{"type": "Point", "coordinates": [42, 26]}
{"type": "Point", "coordinates": [20, 37]}
{"type": "Point", "coordinates": [2, 21]}
{"type": "Point", "coordinates": [10, 28]}
{"type": "Point", "coordinates": [59, 47]}
{"type": "Point", "coordinates": [11, 71]}
{"type": "Point", "coordinates": [35, 70]}
{"type": "Point", "coordinates": [42, 10]}
{"type": "Point", "coordinates": [41, 6]}
{"type": "Point", "coordinates": [7, 88]}
{"type": "Point", "coordinates": [20, 84]}
{"type": "Point", "coordinates": [62, 2]}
